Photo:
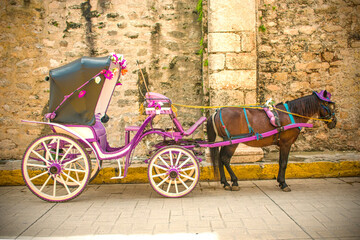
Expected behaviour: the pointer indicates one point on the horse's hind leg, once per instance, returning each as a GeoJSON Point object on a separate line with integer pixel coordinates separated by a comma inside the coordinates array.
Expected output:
{"type": "Point", "coordinates": [222, 175]}
{"type": "Point", "coordinates": [283, 160]}
{"type": "Point", "coordinates": [225, 156]}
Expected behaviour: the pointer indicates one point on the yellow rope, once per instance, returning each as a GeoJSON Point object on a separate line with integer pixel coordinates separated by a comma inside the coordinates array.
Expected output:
{"type": "Point", "coordinates": [207, 107]}
{"type": "Point", "coordinates": [248, 106]}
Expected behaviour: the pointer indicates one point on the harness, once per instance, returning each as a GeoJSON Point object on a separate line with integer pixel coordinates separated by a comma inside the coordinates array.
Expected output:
{"type": "Point", "coordinates": [229, 137]}
{"type": "Point", "coordinates": [251, 130]}
{"type": "Point", "coordinates": [290, 115]}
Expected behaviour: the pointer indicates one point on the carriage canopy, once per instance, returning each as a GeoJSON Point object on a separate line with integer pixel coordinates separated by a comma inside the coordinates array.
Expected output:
{"type": "Point", "coordinates": [67, 79]}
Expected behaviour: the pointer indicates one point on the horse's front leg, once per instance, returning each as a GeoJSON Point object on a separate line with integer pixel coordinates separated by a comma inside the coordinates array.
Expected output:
{"type": "Point", "coordinates": [226, 154]}
{"type": "Point", "coordinates": [283, 160]}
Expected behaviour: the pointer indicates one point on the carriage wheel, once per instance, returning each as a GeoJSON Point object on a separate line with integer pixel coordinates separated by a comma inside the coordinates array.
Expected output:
{"type": "Point", "coordinates": [95, 168]}
{"type": "Point", "coordinates": [173, 171]}
{"type": "Point", "coordinates": [56, 168]}
{"type": "Point", "coordinates": [158, 171]}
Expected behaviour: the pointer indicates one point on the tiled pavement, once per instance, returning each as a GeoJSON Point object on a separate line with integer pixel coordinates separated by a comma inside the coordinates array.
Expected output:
{"type": "Point", "coordinates": [315, 209]}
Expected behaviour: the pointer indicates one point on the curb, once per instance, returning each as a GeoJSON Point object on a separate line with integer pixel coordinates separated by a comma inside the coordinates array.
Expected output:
{"type": "Point", "coordinates": [255, 171]}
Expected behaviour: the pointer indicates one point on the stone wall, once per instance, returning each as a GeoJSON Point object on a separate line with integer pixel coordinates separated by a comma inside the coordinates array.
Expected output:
{"type": "Point", "coordinates": [300, 46]}
{"type": "Point", "coordinates": [40, 35]}
{"type": "Point", "coordinates": [311, 45]}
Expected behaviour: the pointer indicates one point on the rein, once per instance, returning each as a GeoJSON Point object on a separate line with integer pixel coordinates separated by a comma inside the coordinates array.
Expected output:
{"type": "Point", "coordinates": [325, 119]}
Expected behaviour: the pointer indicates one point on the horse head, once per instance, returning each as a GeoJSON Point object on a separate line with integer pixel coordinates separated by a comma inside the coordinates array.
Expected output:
{"type": "Point", "coordinates": [327, 109]}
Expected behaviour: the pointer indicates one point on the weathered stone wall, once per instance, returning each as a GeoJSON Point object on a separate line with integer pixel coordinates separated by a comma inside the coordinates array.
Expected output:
{"type": "Point", "coordinates": [311, 45]}
{"type": "Point", "coordinates": [40, 35]}
{"type": "Point", "coordinates": [301, 46]}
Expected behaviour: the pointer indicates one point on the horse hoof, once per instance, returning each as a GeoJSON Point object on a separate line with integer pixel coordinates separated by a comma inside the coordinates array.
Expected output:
{"type": "Point", "coordinates": [286, 189]}
{"type": "Point", "coordinates": [235, 188]}
{"type": "Point", "coordinates": [227, 188]}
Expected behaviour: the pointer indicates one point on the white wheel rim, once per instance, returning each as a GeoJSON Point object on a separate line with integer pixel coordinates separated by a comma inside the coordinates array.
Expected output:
{"type": "Point", "coordinates": [56, 168]}
{"type": "Point", "coordinates": [173, 172]}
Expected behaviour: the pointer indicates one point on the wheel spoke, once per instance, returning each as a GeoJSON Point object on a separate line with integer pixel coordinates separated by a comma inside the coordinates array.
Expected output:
{"type": "Point", "coordinates": [36, 165]}
{"type": "Point", "coordinates": [164, 180]}
{"type": "Point", "coordinates": [178, 159]}
{"type": "Point", "coordinates": [73, 160]}
{"type": "Point", "coordinates": [183, 183]}
{"type": "Point", "coordinates": [164, 162]}
{"type": "Point", "coordinates": [188, 177]}
{"type": "Point", "coordinates": [63, 157]}
{"type": "Point", "coordinates": [42, 158]}
{"type": "Point", "coordinates": [71, 179]}
{"type": "Point", "coordinates": [158, 175]}
{"type": "Point", "coordinates": [187, 169]}
{"type": "Point", "coordinates": [184, 162]}
{"type": "Point", "coordinates": [176, 187]}
{"type": "Point", "coordinates": [80, 165]}
{"type": "Point", "coordinates": [74, 170]}
{"type": "Point", "coordinates": [66, 187]}
{"type": "Point", "coordinates": [171, 159]}
{"type": "Point", "coordinates": [57, 149]}
{"type": "Point", "coordinates": [168, 189]}
{"type": "Point", "coordinates": [42, 174]}
{"type": "Point", "coordinates": [54, 190]}
{"type": "Point", "coordinates": [48, 151]}
{"type": "Point", "coordinates": [160, 167]}
{"type": "Point", "coordinates": [47, 180]}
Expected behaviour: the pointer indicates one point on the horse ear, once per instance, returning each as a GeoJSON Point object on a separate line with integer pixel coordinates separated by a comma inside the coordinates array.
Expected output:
{"type": "Point", "coordinates": [325, 94]}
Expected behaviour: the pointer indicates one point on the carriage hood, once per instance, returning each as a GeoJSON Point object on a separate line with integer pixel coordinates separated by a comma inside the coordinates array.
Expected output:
{"type": "Point", "coordinates": [66, 79]}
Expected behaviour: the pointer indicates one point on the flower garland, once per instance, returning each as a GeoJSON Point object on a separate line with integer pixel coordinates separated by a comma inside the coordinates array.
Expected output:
{"type": "Point", "coordinates": [109, 74]}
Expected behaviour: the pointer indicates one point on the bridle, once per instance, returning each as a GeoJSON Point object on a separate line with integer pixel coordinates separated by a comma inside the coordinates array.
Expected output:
{"type": "Point", "coordinates": [330, 115]}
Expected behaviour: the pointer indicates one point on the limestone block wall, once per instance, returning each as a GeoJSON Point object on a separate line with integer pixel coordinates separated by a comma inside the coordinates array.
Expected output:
{"type": "Point", "coordinates": [232, 52]}
{"type": "Point", "coordinates": [37, 36]}
{"type": "Point", "coordinates": [312, 45]}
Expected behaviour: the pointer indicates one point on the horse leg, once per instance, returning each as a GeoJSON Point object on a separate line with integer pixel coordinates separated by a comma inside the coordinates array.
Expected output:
{"type": "Point", "coordinates": [226, 154]}
{"type": "Point", "coordinates": [222, 173]}
{"type": "Point", "coordinates": [283, 160]}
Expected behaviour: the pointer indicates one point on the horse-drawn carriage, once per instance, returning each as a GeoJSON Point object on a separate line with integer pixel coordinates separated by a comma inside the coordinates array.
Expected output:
{"type": "Point", "coordinates": [58, 166]}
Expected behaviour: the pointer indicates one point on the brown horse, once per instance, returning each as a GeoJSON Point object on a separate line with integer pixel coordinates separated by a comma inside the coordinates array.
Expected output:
{"type": "Point", "coordinates": [233, 122]}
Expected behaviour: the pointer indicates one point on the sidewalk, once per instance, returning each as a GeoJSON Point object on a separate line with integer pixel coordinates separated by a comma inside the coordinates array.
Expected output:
{"type": "Point", "coordinates": [323, 208]}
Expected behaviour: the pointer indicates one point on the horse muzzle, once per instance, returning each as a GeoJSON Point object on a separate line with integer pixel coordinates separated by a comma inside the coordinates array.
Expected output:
{"type": "Point", "coordinates": [332, 124]}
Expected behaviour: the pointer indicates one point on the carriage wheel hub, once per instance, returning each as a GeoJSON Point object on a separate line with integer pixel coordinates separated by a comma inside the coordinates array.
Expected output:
{"type": "Point", "coordinates": [55, 169]}
{"type": "Point", "coordinates": [173, 173]}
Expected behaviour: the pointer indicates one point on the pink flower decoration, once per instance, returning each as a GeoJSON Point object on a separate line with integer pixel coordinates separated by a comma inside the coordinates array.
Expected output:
{"type": "Point", "coordinates": [82, 93]}
{"type": "Point", "coordinates": [108, 74]}
{"type": "Point", "coordinates": [114, 58]}
{"type": "Point", "coordinates": [103, 71]}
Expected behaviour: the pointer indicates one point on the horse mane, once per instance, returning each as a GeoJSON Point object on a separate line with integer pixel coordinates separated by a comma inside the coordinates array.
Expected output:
{"type": "Point", "coordinates": [306, 106]}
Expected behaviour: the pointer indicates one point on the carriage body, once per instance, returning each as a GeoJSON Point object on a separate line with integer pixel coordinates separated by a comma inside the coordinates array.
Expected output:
{"type": "Point", "coordinates": [58, 166]}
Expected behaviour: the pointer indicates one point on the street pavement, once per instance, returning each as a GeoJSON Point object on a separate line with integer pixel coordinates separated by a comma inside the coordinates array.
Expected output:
{"type": "Point", "coordinates": [326, 208]}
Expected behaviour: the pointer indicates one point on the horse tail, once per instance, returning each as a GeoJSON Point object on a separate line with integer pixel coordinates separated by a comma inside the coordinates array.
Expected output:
{"type": "Point", "coordinates": [214, 152]}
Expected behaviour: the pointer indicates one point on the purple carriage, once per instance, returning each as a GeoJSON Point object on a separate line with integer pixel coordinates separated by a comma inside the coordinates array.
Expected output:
{"type": "Point", "coordinates": [58, 166]}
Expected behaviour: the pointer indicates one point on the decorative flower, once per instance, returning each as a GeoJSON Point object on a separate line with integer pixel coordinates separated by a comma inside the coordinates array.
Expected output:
{"type": "Point", "coordinates": [120, 56]}
{"type": "Point", "coordinates": [82, 93]}
{"type": "Point", "coordinates": [123, 63]}
{"type": "Point", "coordinates": [115, 70]}
{"type": "Point", "coordinates": [114, 58]}
{"type": "Point", "coordinates": [103, 71]}
{"type": "Point", "coordinates": [108, 74]}
{"type": "Point", "coordinates": [123, 71]}
{"type": "Point", "coordinates": [97, 80]}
